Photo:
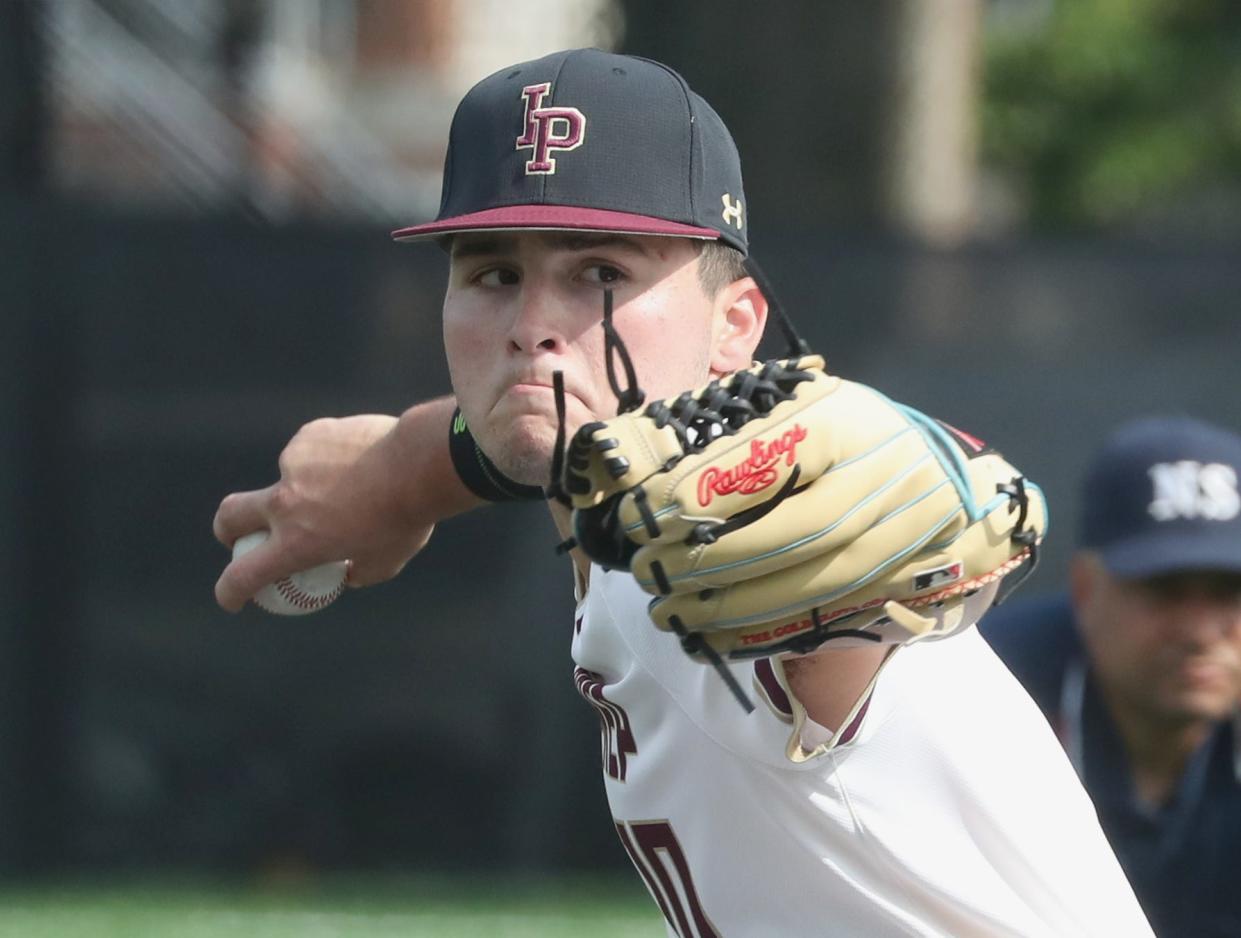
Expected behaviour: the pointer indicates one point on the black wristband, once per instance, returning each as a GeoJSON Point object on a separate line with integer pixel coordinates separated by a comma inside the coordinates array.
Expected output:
{"type": "Point", "coordinates": [479, 473]}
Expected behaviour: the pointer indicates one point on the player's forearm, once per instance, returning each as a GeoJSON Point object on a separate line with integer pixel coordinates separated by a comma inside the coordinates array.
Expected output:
{"type": "Point", "coordinates": [415, 452]}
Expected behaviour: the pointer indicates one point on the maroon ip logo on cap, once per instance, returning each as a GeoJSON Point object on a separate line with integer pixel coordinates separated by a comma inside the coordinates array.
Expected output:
{"type": "Point", "coordinates": [548, 129]}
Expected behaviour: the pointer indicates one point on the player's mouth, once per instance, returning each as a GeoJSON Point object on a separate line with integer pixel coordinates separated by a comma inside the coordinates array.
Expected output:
{"type": "Point", "coordinates": [526, 388]}
{"type": "Point", "coordinates": [1205, 673]}
{"type": "Point", "coordinates": [525, 397]}
{"type": "Point", "coordinates": [537, 388]}
{"type": "Point", "coordinates": [524, 401]}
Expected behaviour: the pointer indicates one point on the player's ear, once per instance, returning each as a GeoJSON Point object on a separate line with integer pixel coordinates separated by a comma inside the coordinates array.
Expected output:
{"type": "Point", "coordinates": [1085, 578]}
{"type": "Point", "coordinates": [740, 315]}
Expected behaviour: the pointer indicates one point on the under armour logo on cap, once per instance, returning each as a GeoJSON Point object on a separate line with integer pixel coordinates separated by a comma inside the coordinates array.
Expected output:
{"type": "Point", "coordinates": [1190, 489]}
{"type": "Point", "coordinates": [548, 128]}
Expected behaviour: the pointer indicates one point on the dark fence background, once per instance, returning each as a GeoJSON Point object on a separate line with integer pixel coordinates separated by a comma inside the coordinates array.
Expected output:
{"type": "Point", "coordinates": [155, 364]}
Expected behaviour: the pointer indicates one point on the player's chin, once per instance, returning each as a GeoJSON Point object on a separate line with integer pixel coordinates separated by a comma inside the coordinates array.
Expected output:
{"type": "Point", "coordinates": [1205, 696]}
{"type": "Point", "coordinates": [1192, 707]}
{"type": "Point", "coordinates": [521, 434]}
{"type": "Point", "coordinates": [523, 450]}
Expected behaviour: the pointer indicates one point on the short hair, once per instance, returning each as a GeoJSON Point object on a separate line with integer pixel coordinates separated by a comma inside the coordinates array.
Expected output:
{"type": "Point", "coordinates": [719, 264]}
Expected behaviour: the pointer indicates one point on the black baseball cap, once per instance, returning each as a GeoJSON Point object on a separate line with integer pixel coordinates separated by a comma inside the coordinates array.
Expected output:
{"type": "Point", "coordinates": [1162, 497]}
{"type": "Point", "coordinates": [590, 141]}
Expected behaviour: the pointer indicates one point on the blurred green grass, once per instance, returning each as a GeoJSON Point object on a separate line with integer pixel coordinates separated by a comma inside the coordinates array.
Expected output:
{"type": "Point", "coordinates": [482, 905]}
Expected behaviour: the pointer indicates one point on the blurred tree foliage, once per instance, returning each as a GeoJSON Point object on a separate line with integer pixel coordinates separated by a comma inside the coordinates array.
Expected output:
{"type": "Point", "coordinates": [1117, 113]}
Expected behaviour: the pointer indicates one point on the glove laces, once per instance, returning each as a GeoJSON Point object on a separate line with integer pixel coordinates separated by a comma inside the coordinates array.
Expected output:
{"type": "Point", "coordinates": [725, 408]}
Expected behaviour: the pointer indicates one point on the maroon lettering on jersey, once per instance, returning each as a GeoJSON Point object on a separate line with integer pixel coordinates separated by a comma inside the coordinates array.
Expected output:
{"type": "Point", "coordinates": [618, 742]}
{"type": "Point", "coordinates": [656, 853]}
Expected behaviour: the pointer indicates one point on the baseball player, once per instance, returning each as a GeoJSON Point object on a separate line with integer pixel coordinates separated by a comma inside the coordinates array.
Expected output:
{"type": "Point", "coordinates": [763, 533]}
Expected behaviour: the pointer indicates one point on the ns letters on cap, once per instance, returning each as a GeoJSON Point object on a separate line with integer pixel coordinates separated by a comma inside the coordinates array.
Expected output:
{"type": "Point", "coordinates": [1192, 490]}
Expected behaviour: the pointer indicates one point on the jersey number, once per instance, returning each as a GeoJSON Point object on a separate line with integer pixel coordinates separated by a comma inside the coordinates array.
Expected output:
{"type": "Point", "coordinates": [655, 851]}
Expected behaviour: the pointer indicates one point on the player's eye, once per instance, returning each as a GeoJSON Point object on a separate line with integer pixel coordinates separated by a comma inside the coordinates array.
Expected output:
{"type": "Point", "coordinates": [602, 274]}
{"type": "Point", "coordinates": [1221, 588]}
{"type": "Point", "coordinates": [497, 277]}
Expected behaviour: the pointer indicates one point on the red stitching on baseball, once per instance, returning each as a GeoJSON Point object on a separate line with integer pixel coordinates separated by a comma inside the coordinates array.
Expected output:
{"type": "Point", "coordinates": [304, 600]}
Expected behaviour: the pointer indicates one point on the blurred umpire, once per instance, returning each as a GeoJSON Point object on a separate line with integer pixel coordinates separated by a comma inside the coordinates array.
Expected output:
{"type": "Point", "coordinates": [1139, 667]}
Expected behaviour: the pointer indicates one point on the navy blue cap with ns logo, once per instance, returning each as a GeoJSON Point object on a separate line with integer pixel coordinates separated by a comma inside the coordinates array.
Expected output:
{"type": "Point", "coordinates": [591, 141]}
{"type": "Point", "coordinates": [1163, 495]}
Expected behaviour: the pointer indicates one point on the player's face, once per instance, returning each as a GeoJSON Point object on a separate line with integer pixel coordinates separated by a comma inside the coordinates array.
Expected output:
{"type": "Point", "coordinates": [521, 306]}
{"type": "Point", "coordinates": [1169, 647]}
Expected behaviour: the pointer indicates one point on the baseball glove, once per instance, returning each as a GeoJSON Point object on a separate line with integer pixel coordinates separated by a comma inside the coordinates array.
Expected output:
{"type": "Point", "coordinates": [781, 507]}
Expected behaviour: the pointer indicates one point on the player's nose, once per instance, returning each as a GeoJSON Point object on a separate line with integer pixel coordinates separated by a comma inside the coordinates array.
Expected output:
{"type": "Point", "coordinates": [540, 319]}
{"type": "Point", "coordinates": [1204, 620]}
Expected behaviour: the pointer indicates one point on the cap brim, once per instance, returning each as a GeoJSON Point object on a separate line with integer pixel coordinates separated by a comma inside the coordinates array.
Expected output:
{"type": "Point", "coordinates": [1174, 552]}
{"type": "Point", "coordinates": [553, 218]}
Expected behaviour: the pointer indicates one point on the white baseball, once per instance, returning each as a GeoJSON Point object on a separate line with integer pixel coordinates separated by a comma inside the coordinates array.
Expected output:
{"type": "Point", "coordinates": [299, 593]}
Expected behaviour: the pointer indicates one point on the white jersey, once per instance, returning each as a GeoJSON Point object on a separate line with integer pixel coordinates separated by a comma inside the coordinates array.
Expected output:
{"type": "Point", "coordinates": [944, 807]}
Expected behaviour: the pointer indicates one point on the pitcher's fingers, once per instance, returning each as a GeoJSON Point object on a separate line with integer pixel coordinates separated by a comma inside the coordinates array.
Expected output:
{"type": "Point", "coordinates": [240, 513]}
{"type": "Point", "coordinates": [246, 575]}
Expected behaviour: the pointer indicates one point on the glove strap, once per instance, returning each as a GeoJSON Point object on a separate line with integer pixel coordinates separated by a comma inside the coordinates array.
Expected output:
{"type": "Point", "coordinates": [797, 345]}
{"type": "Point", "coordinates": [555, 485]}
{"type": "Point", "coordinates": [631, 397]}
{"type": "Point", "coordinates": [695, 644]}
{"type": "Point", "coordinates": [1026, 537]}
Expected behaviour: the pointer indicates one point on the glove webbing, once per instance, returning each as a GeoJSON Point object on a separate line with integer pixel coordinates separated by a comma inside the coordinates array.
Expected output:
{"type": "Point", "coordinates": [725, 408]}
